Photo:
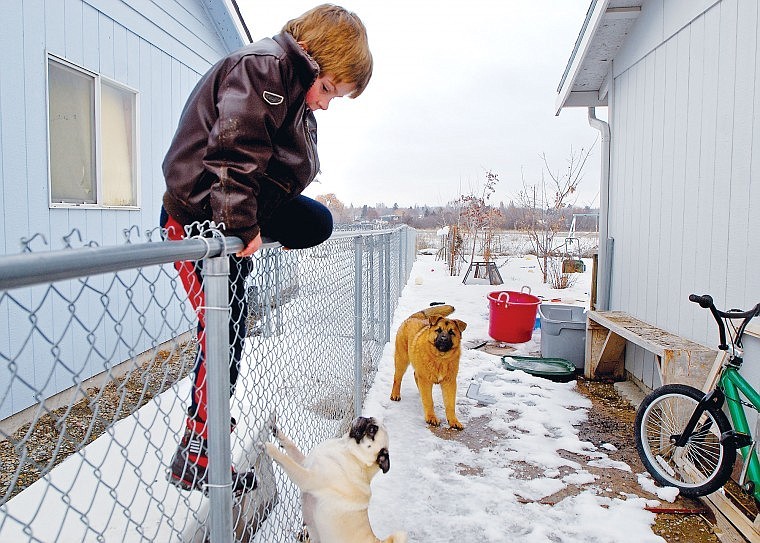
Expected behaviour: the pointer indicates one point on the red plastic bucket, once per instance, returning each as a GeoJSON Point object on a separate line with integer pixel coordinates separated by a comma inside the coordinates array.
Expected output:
{"type": "Point", "coordinates": [512, 315]}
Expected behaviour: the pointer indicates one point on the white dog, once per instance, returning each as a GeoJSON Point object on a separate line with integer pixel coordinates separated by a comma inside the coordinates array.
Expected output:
{"type": "Point", "coordinates": [334, 480]}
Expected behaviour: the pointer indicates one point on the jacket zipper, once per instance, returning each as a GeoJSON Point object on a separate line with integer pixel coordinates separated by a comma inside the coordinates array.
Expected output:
{"type": "Point", "coordinates": [310, 146]}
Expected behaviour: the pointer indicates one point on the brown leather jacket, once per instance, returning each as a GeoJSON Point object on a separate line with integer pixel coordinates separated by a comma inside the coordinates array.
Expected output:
{"type": "Point", "coordinates": [246, 141]}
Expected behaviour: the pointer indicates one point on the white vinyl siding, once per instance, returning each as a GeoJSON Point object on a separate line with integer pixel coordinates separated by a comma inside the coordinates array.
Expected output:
{"type": "Point", "coordinates": [684, 194]}
{"type": "Point", "coordinates": [156, 48]}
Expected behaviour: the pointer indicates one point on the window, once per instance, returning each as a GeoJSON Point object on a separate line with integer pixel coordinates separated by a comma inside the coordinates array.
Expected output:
{"type": "Point", "coordinates": [93, 135]}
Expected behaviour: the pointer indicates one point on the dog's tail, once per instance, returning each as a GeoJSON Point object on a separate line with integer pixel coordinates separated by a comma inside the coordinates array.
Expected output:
{"type": "Point", "coordinates": [439, 310]}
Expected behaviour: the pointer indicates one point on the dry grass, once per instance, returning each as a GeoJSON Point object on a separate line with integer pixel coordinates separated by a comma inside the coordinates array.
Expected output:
{"type": "Point", "coordinates": [37, 447]}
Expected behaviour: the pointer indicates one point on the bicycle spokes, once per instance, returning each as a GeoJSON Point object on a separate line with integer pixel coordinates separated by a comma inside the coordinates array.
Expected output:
{"type": "Point", "coordinates": [693, 460]}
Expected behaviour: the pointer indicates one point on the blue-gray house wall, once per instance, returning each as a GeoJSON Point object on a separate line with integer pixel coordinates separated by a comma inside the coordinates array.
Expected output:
{"type": "Point", "coordinates": [682, 84]}
{"type": "Point", "coordinates": [159, 48]}
{"type": "Point", "coordinates": [684, 152]}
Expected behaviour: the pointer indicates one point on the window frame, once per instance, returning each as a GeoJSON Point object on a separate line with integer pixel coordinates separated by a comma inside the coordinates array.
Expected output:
{"type": "Point", "coordinates": [99, 80]}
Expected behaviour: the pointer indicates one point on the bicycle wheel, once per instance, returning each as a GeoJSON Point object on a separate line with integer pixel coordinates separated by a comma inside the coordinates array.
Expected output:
{"type": "Point", "coordinates": [700, 467]}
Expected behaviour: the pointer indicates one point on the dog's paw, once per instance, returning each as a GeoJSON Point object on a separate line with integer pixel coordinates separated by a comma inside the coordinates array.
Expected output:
{"type": "Point", "coordinates": [456, 425]}
{"type": "Point", "coordinates": [398, 537]}
{"type": "Point", "coordinates": [396, 397]}
{"type": "Point", "coordinates": [271, 449]}
{"type": "Point", "coordinates": [433, 421]}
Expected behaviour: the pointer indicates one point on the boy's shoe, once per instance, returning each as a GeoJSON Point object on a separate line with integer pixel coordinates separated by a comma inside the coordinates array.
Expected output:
{"type": "Point", "coordinates": [189, 466]}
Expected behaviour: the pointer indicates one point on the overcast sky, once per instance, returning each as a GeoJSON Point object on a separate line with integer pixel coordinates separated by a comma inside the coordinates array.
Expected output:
{"type": "Point", "coordinates": [459, 88]}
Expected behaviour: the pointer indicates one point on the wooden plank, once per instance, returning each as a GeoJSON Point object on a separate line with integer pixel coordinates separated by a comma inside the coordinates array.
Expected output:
{"type": "Point", "coordinates": [735, 525]}
{"type": "Point", "coordinates": [679, 359]}
{"type": "Point", "coordinates": [596, 335]}
{"type": "Point", "coordinates": [611, 362]}
{"type": "Point", "coordinates": [714, 374]}
{"type": "Point", "coordinates": [650, 337]}
{"type": "Point", "coordinates": [688, 367]}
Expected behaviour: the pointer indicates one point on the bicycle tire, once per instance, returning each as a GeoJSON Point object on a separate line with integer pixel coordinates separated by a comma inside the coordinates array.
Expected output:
{"type": "Point", "coordinates": [704, 464]}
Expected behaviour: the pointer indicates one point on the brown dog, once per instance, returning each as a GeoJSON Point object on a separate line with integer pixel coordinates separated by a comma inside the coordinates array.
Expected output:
{"type": "Point", "coordinates": [431, 342]}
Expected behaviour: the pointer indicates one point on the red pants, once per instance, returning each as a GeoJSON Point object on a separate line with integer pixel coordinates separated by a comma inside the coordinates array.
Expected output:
{"type": "Point", "coordinates": [190, 273]}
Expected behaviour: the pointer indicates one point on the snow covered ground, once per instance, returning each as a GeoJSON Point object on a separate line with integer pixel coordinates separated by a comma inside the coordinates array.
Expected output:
{"type": "Point", "coordinates": [443, 488]}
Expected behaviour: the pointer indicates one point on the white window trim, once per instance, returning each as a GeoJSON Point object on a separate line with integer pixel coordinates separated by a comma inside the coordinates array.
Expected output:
{"type": "Point", "coordinates": [99, 79]}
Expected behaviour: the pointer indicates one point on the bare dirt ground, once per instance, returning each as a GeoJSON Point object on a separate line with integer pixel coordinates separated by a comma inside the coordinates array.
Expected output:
{"type": "Point", "coordinates": [611, 421]}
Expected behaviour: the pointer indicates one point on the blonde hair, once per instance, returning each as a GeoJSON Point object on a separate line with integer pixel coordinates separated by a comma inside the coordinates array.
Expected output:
{"type": "Point", "coordinates": [337, 41]}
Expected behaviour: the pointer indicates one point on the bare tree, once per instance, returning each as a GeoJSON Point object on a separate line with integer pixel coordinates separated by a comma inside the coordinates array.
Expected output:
{"type": "Point", "coordinates": [336, 207]}
{"type": "Point", "coordinates": [545, 203]}
{"type": "Point", "coordinates": [478, 215]}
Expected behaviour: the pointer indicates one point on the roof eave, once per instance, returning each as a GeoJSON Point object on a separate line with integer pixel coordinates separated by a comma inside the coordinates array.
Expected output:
{"type": "Point", "coordinates": [578, 88]}
{"type": "Point", "coordinates": [228, 22]}
{"type": "Point", "coordinates": [593, 19]}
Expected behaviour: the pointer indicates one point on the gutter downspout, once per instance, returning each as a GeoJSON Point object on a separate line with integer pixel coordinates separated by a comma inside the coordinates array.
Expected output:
{"type": "Point", "coordinates": [605, 242]}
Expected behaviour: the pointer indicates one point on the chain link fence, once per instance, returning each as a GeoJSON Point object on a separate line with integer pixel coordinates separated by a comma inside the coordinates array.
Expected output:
{"type": "Point", "coordinates": [97, 352]}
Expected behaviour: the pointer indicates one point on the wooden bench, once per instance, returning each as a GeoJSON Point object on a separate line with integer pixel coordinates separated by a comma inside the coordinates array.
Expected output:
{"type": "Point", "coordinates": [679, 360]}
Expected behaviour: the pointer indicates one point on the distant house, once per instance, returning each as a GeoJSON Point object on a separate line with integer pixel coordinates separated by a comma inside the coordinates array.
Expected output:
{"type": "Point", "coordinates": [393, 218]}
{"type": "Point", "coordinates": [90, 95]}
{"type": "Point", "coordinates": [680, 83]}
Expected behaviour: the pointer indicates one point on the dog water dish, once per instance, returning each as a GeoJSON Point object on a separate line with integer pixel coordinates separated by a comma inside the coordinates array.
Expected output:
{"type": "Point", "coordinates": [554, 369]}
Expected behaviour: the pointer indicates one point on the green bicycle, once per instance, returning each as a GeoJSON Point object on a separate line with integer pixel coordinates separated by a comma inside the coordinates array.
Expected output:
{"type": "Point", "coordinates": [683, 435]}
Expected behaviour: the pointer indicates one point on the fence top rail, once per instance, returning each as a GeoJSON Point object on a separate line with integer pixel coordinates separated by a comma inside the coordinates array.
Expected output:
{"type": "Point", "coordinates": [365, 233]}
{"type": "Point", "coordinates": [26, 269]}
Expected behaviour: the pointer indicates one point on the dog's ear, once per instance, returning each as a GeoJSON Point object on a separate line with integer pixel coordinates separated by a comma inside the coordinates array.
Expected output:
{"type": "Point", "coordinates": [433, 319]}
{"type": "Point", "coordinates": [361, 427]}
{"type": "Point", "coordinates": [460, 324]}
{"type": "Point", "coordinates": [384, 460]}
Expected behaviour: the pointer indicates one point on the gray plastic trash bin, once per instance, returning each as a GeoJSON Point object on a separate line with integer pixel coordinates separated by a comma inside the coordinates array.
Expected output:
{"type": "Point", "coordinates": [563, 332]}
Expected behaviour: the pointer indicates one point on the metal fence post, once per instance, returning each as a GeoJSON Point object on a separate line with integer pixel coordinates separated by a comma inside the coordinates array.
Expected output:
{"type": "Point", "coordinates": [401, 259]}
{"type": "Point", "coordinates": [278, 291]}
{"type": "Point", "coordinates": [412, 251]}
{"type": "Point", "coordinates": [387, 268]}
{"type": "Point", "coordinates": [215, 285]}
{"type": "Point", "coordinates": [358, 384]}
{"type": "Point", "coordinates": [371, 287]}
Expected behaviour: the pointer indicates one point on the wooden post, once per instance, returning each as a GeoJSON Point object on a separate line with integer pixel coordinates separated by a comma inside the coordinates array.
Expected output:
{"type": "Point", "coordinates": [594, 267]}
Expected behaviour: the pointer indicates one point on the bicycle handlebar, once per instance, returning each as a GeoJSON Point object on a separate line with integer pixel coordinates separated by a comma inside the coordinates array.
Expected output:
{"type": "Point", "coordinates": [706, 301]}
{"type": "Point", "coordinates": [703, 301]}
